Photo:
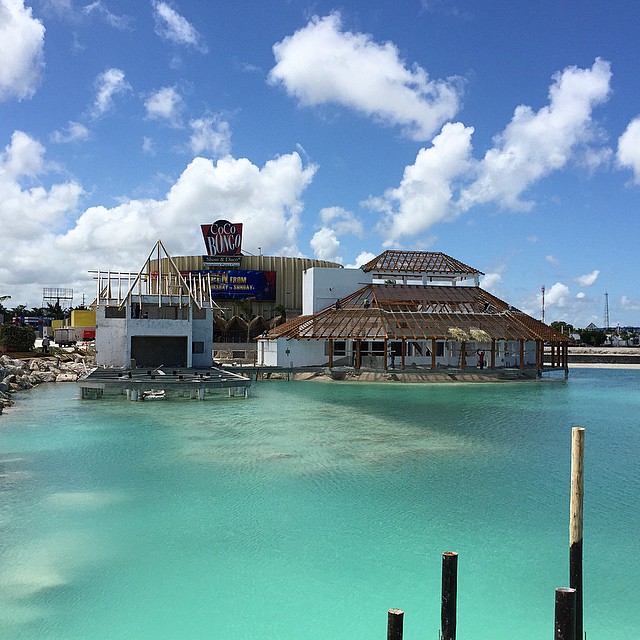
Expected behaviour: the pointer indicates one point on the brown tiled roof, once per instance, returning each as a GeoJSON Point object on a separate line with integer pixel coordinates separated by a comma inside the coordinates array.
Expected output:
{"type": "Point", "coordinates": [418, 262]}
{"type": "Point", "coordinates": [418, 312]}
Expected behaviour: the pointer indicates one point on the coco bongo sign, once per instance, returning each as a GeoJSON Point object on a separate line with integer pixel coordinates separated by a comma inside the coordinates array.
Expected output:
{"type": "Point", "coordinates": [222, 238]}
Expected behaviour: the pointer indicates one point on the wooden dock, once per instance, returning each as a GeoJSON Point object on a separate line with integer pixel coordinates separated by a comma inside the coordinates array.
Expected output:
{"type": "Point", "coordinates": [151, 384]}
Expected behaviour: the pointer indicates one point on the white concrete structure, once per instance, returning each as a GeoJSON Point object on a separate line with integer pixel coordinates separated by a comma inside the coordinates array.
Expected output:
{"type": "Point", "coordinates": [321, 287]}
{"type": "Point", "coordinates": [152, 319]}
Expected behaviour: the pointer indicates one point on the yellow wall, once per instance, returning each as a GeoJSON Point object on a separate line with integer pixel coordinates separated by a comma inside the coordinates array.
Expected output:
{"type": "Point", "coordinates": [57, 324]}
{"type": "Point", "coordinates": [83, 318]}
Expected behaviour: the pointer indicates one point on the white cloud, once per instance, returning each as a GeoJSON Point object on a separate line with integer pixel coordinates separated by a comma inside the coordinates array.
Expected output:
{"type": "Point", "coordinates": [23, 157]}
{"type": "Point", "coordinates": [535, 144]}
{"type": "Point", "coordinates": [108, 84]}
{"type": "Point", "coordinates": [28, 214]}
{"type": "Point", "coordinates": [165, 104]}
{"type": "Point", "coordinates": [425, 194]}
{"type": "Point", "coordinates": [551, 259]}
{"type": "Point", "coordinates": [47, 242]}
{"type": "Point", "coordinates": [362, 258]}
{"type": "Point", "coordinates": [148, 145]}
{"type": "Point", "coordinates": [341, 221]}
{"type": "Point", "coordinates": [322, 64]}
{"type": "Point", "coordinates": [211, 135]}
{"type": "Point", "coordinates": [21, 50]}
{"type": "Point", "coordinates": [557, 295]}
{"type": "Point", "coordinates": [75, 132]}
{"type": "Point", "coordinates": [627, 304]}
{"type": "Point", "coordinates": [326, 245]}
{"type": "Point", "coordinates": [171, 26]}
{"type": "Point", "coordinates": [491, 281]}
{"type": "Point", "coordinates": [629, 149]}
{"type": "Point", "coordinates": [588, 279]}
{"type": "Point", "coordinates": [265, 200]}
{"type": "Point", "coordinates": [117, 22]}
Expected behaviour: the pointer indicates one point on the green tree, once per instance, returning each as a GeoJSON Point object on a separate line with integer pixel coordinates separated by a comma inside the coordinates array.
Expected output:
{"type": "Point", "coordinates": [563, 327]}
{"type": "Point", "coordinates": [593, 338]}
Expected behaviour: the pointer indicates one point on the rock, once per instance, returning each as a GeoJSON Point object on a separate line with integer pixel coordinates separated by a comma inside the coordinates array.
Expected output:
{"type": "Point", "coordinates": [67, 377]}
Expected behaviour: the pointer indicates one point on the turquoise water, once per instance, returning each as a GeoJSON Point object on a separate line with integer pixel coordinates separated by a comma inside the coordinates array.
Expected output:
{"type": "Point", "coordinates": [308, 510]}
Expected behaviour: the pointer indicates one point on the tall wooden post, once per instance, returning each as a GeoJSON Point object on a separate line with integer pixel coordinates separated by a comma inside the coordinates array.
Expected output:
{"type": "Point", "coordinates": [449, 595]}
{"type": "Point", "coordinates": [521, 354]}
{"type": "Point", "coordinates": [330, 353]}
{"type": "Point", "coordinates": [565, 615]}
{"type": "Point", "coordinates": [575, 524]}
{"type": "Point", "coordinates": [493, 353]}
{"type": "Point", "coordinates": [358, 361]}
{"type": "Point", "coordinates": [463, 355]}
{"type": "Point", "coordinates": [434, 346]}
{"type": "Point", "coordinates": [395, 619]}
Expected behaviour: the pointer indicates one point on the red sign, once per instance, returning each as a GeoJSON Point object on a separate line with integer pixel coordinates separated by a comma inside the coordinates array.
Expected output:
{"type": "Point", "coordinates": [222, 238]}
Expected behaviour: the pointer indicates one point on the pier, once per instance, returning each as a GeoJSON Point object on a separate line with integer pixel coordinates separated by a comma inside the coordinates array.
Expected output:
{"type": "Point", "coordinates": [146, 384]}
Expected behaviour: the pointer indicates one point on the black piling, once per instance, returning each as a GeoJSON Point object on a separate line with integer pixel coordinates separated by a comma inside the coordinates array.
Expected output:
{"type": "Point", "coordinates": [395, 621]}
{"type": "Point", "coordinates": [449, 595]}
{"type": "Point", "coordinates": [565, 617]}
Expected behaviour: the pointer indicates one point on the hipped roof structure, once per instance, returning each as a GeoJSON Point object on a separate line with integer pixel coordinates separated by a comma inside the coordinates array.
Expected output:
{"type": "Point", "coordinates": [418, 312]}
{"type": "Point", "coordinates": [433, 263]}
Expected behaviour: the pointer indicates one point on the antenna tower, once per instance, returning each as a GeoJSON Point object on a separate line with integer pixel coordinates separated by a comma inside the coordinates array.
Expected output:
{"type": "Point", "coordinates": [542, 291]}
{"type": "Point", "coordinates": [606, 310]}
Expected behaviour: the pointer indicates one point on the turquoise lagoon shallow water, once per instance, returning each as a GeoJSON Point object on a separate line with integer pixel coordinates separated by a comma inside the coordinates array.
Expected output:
{"type": "Point", "coordinates": [308, 510]}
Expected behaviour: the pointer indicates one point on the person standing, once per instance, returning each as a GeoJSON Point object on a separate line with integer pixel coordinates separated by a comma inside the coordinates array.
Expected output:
{"type": "Point", "coordinates": [45, 344]}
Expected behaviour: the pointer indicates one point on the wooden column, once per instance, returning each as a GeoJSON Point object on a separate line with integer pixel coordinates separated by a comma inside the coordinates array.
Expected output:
{"type": "Point", "coordinates": [575, 522]}
{"type": "Point", "coordinates": [493, 354]}
{"type": "Point", "coordinates": [463, 355]}
{"type": "Point", "coordinates": [330, 353]}
{"type": "Point", "coordinates": [404, 352]}
{"type": "Point", "coordinates": [434, 345]}
{"type": "Point", "coordinates": [521, 354]}
{"type": "Point", "coordinates": [384, 359]}
{"type": "Point", "coordinates": [358, 354]}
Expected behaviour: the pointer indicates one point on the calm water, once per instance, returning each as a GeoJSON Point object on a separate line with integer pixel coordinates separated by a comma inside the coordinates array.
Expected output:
{"type": "Point", "coordinates": [308, 510]}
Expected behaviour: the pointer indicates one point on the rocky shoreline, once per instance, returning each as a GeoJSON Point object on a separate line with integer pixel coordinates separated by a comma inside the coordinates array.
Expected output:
{"type": "Point", "coordinates": [22, 374]}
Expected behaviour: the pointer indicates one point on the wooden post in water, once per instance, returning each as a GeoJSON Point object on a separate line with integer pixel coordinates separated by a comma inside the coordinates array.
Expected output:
{"type": "Point", "coordinates": [395, 619]}
{"type": "Point", "coordinates": [565, 618]}
{"type": "Point", "coordinates": [575, 524]}
{"type": "Point", "coordinates": [449, 595]}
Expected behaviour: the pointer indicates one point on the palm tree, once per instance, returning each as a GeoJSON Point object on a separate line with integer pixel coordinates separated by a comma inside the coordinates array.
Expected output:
{"type": "Point", "coordinates": [2, 308]}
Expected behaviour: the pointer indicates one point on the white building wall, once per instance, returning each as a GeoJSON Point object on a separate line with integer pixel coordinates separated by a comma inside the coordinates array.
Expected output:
{"type": "Point", "coordinates": [203, 332]}
{"type": "Point", "coordinates": [111, 340]}
{"type": "Point", "coordinates": [321, 286]}
{"type": "Point", "coordinates": [290, 353]}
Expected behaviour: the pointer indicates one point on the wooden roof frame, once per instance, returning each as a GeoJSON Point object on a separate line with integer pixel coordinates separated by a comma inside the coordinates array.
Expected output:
{"type": "Point", "coordinates": [418, 312]}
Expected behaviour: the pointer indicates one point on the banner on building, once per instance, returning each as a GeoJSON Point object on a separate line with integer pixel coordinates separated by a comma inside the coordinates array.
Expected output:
{"type": "Point", "coordinates": [242, 285]}
{"type": "Point", "coordinates": [222, 238]}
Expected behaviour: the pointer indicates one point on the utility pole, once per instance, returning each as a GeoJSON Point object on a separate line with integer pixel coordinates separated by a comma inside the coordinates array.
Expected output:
{"type": "Point", "coordinates": [606, 311]}
{"type": "Point", "coordinates": [542, 290]}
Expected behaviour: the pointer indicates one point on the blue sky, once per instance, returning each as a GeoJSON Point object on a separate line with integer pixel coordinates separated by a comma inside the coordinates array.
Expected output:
{"type": "Point", "coordinates": [504, 133]}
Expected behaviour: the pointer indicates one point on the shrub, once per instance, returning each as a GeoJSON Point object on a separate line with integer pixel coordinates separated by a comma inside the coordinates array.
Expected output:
{"type": "Point", "coordinates": [17, 338]}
